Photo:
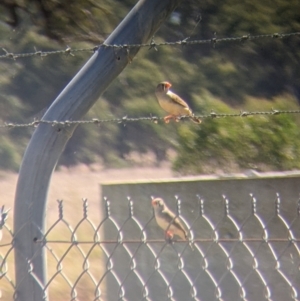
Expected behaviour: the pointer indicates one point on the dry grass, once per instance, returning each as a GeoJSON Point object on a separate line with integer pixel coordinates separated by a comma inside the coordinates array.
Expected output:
{"type": "Point", "coordinates": [71, 185]}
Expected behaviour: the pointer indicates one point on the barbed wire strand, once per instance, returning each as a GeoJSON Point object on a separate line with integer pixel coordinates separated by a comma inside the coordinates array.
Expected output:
{"type": "Point", "coordinates": [152, 45]}
{"type": "Point", "coordinates": [151, 118]}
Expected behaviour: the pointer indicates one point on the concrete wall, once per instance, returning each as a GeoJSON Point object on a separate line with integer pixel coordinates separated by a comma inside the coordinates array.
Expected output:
{"type": "Point", "coordinates": [211, 189]}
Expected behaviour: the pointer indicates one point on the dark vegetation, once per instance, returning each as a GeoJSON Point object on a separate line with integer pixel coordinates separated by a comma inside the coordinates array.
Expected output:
{"type": "Point", "coordinates": [253, 75]}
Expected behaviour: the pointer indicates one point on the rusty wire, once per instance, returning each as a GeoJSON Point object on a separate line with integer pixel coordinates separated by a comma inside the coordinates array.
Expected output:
{"type": "Point", "coordinates": [135, 262]}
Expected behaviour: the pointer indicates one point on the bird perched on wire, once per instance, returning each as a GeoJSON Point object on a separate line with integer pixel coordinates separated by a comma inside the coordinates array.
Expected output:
{"type": "Point", "coordinates": [173, 104]}
{"type": "Point", "coordinates": [167, 220]}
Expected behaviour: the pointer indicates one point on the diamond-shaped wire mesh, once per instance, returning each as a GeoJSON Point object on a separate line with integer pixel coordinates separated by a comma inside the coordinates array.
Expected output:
{"type": "Point", "coordinates": [228, 256]}
{"type": "Point", "coordinates": [6, 257]}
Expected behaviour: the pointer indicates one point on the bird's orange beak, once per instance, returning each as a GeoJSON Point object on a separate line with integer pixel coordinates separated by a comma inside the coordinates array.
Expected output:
{"type": "Point", "coordinates": [154, 202]}
{"type": "Point", "coordinates": [168, 85]}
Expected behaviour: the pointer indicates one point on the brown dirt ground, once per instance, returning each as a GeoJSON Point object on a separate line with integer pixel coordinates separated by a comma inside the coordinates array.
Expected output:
{"type": "Point", "coordinates": [73, 184]}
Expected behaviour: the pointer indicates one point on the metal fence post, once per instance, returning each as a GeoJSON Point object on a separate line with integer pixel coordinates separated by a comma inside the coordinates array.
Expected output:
{"type": "Point", "coordinates": [48, 142]}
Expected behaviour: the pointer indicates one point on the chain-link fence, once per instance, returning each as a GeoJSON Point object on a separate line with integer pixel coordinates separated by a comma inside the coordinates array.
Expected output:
{"type": "Point", "coordinates": [230, 254]}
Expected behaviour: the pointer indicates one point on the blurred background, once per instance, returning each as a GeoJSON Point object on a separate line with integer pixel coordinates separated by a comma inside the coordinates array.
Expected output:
{"type": "Point", "coordinates": [227, 77]}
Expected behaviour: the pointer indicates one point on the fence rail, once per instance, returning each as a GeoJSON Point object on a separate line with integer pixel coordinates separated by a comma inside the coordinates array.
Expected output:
{"type": "Point", "coordinates": [227, 257]}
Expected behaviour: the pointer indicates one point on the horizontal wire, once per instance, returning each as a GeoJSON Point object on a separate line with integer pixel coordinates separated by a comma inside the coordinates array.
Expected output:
{"type": "Point", "coordinates": [154, 119]}
{"type": "Point", "coordinates": [134, 241]}
{"type": "Point", "coordinates": [151, 45]}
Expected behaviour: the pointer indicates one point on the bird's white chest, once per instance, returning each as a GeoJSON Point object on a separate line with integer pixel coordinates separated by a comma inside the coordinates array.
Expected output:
{"type": "Point", "coordinates": [162, 223]}
{"type": "Point", "coordinates": [165, 101]}
{"type": "Point", "coordinates": [166, 225]}
{"type": "Point", "coordinates": [169, 104]}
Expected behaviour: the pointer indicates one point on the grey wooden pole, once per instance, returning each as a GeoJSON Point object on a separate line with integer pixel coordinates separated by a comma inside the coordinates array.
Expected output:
{"type": "Point", "coordinates": [48, 142]}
